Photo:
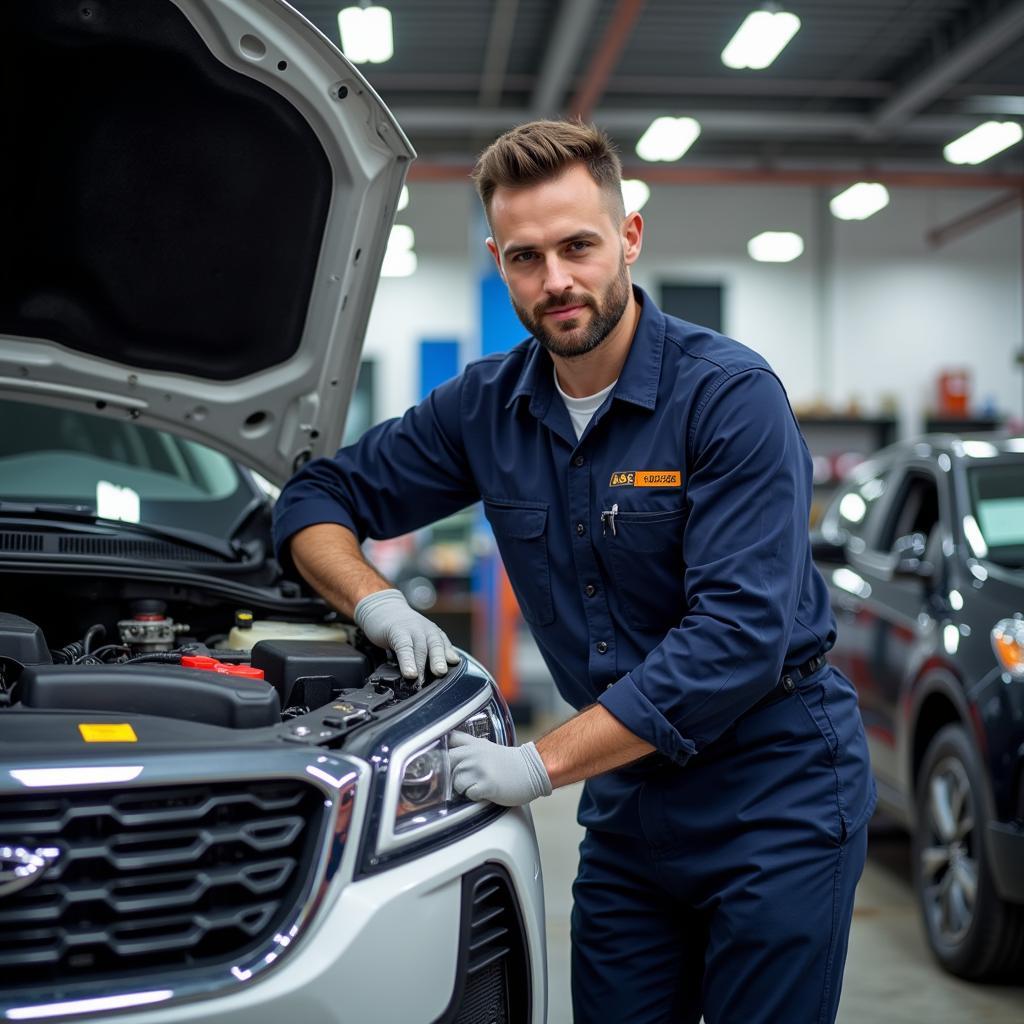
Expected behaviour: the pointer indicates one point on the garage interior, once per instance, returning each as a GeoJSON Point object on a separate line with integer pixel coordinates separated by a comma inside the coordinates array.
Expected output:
{"type": "Point", "coordinates": [903, 323]}
{"type": "Point", "coordinates": [849, 203]}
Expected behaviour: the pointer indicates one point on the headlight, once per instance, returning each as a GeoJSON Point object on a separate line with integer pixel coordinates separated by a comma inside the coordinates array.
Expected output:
{"type": "Point", "coordinates": [1008, 644]}
{"type": "Point", "coordinates": [419, 799]}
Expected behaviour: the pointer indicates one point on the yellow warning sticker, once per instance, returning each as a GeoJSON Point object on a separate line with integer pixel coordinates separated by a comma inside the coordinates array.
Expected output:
{"type": "Point", "coordinates": [646, 478]}
{"type": "Point", "coordinates": [107, 732]}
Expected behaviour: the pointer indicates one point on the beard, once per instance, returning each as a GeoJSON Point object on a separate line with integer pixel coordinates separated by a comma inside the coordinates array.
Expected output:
{"type": "Point", "coordinates": [568, 338]}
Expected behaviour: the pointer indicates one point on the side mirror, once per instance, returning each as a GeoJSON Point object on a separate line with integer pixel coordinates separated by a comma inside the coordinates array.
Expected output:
{"type": "Point", "coordinates": [827, 550]}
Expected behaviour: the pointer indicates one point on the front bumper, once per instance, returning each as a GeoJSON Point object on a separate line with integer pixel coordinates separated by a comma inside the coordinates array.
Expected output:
{"type": "Point", "coordinates": [383, 948]}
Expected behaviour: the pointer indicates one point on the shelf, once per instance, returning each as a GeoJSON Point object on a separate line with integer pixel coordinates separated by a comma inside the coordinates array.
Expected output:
{"type": "Point", "coordinates": [875, 422]}
{"type": "Point", "coordinates": [962, 424]}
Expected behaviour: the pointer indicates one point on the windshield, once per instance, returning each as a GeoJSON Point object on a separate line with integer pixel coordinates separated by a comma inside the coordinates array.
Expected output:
{"type": "Point", "coordinates": [997, 501]}
{"type": "Point", "coordinates": [117, 468]}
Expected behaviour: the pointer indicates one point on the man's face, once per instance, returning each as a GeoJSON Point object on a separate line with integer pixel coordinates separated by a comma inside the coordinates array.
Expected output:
{"type": "Point", "coordinates": [563, 253]}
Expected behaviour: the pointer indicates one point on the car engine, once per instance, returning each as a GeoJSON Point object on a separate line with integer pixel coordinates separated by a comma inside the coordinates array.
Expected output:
{"type": "Point", "coordinates": [256, 674]}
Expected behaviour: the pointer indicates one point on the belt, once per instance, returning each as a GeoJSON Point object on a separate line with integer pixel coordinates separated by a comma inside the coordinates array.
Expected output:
{"type": "Point", "coordinates": [783, 688]}
{"type": "Point", "coordinates": [787, 684]}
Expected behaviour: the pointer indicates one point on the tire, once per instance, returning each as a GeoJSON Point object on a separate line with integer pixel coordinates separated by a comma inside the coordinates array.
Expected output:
{"type": "Point", "coordinates": [971, 931]}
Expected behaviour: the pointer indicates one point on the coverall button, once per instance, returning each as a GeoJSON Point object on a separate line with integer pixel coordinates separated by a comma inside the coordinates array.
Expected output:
{"type": "Point", "coordinates": [578, 461]}
{"type": "Point", "coordinates": [590, 590]}
{"type": "Point", "coordinates": [602, 647]}
{"type": "Point", "coordinates": [787, 684]}
{"type": "Point", "coordinates": [580, 529]}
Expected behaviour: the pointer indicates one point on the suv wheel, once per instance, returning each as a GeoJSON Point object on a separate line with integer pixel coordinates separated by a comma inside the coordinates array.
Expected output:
{"type": "Point", "coordinates": [971, 931]}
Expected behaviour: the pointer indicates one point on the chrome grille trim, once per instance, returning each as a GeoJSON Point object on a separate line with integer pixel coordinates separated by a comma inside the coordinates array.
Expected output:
{"type": "Point", "coordinates": [332, 866]}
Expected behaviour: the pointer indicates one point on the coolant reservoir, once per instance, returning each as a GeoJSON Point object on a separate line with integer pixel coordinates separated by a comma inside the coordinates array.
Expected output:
{"type": "Point", "coordinates": [244, 638]}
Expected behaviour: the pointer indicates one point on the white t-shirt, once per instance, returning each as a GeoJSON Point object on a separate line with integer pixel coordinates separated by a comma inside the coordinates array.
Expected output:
{"type": "Point", "coordinates": [582, 409]}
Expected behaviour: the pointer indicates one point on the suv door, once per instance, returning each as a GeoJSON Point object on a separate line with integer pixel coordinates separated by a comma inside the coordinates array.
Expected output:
{"type": "Point", "coordinates": [852, 520]}
{"type": "Point", "coordinates": [905, 567]}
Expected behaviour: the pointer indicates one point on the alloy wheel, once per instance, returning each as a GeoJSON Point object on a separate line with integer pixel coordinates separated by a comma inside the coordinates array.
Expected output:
{"type": "Point", "coordinates": [949, 857]}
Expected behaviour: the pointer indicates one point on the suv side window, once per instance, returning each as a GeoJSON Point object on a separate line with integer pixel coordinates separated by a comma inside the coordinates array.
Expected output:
{"type": "Point", "coordinates": [851, 516]}
{"type": "Point", "coordinates": [915, 511]}
{"type": "Point", "coordinates": [912, 528]}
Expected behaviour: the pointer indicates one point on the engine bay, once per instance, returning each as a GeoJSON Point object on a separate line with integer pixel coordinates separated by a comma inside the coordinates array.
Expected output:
{"type": "Point", "coordinates": [255, 672]}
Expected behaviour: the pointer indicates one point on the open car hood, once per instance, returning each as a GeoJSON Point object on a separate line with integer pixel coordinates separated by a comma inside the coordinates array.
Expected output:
{"type": "Point", "coordinates": [196, 198]}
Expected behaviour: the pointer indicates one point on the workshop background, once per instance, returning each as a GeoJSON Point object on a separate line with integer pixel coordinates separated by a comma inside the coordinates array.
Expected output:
{"type": "Point", "coordinates": [905, 321]}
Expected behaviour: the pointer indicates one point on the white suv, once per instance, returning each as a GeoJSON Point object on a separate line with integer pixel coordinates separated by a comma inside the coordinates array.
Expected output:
{"type": "Point", "coordinates": [218, 802]}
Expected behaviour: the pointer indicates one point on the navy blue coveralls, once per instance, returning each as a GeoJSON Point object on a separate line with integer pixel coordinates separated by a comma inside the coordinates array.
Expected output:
{"type": "Point", "coordinates": [662, 563]}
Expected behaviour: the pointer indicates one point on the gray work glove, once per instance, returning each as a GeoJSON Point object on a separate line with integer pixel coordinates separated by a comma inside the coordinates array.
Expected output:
{"type": "Point", "coordinates": [388, 621]}
{"type": "Point", "coordinates": [483, 770]}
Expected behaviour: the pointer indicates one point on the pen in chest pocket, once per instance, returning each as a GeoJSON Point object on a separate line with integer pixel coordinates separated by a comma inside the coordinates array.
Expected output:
{"type": "Point", "coordinates": [608, 519]}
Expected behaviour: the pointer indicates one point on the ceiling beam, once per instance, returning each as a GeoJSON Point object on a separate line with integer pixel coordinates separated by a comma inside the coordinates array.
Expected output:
{"type": "Point", "coordinates": [990, 38]}
{"type": "Point", "coordinates": [954, 229]}
{"type": "Point", "coordinates": [499, 42]}
{"type": "Point", "coordinates": [999, 105]}
{"type": "Point", "coordinates": [794, 124]}
{"type": "Point", "coordinates": [722, 85]}
{"type": "Point", "coordinates": [613, 42]}
{"type": "Point", "coordinates": [427, 171]}
{"type": "Point", "coordinates": [560, 57]}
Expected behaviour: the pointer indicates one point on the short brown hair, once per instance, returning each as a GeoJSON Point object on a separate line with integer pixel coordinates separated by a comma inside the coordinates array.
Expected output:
{"type": "Point", "coordinates": [541, 150]}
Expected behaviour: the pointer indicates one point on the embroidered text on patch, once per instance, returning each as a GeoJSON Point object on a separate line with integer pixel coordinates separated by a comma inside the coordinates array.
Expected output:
{"type": "Point", "coordinates": [646, 478]}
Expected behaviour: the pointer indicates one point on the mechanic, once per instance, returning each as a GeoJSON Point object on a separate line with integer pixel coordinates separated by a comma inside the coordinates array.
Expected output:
{"type": "Point", "coordinates": [649, 490]}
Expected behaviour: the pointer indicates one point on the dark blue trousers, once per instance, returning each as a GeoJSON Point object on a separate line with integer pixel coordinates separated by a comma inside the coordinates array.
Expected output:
{"type": "Point", "coordinates": [735, 902]}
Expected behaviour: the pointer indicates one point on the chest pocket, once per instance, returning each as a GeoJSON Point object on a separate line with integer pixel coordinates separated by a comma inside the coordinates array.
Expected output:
{"type": "Point", "coordinates": [645, 554]}
{"type": "Point", "coordinates": [520, 528]}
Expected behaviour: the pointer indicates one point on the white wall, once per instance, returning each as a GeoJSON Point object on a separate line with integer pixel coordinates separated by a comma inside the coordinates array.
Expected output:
{"type": "Point", "coordinates": [903, 312]}
{"type": "Point", "coordinates": [868, 311]}
{"type": "Point", "coordinates": [438, 301]}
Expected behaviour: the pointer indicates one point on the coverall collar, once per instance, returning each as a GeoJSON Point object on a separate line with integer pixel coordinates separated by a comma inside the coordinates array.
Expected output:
{"type": "Point", "coordinates": [638, 381]}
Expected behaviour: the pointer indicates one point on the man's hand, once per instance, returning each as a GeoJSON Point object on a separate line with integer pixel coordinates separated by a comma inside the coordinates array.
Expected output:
{"type": "Point", "coordinates": [388, 621]}
{"type": "Point", "coordinates": [483, 770]}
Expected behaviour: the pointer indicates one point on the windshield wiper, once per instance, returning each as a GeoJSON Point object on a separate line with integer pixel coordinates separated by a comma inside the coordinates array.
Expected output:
{"type": "Point", "coordinates": [85, 514]}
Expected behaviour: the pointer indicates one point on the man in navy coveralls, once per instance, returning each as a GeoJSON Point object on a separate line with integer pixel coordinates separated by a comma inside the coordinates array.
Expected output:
{"type": "Point", "coordinates": [649, 491]}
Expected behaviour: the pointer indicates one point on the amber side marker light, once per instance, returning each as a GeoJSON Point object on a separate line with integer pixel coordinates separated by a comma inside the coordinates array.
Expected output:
{"type": "Point", "coordinates": [1008, 644]}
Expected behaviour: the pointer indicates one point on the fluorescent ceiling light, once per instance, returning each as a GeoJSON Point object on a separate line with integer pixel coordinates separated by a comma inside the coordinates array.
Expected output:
{"type": "Point", "coordinates": [398, 264]}
{"type": "Point", "coordinates": [403, 199]}
{"type": "Point", "coordinates": [634, 194]}
{"type": "Point", "coordinates": [775, 246]}
{"type": "Point", "coordinates": [399, 259]}
{"type": "Point", "coordinates": [983, 142]}
{"type": "Point", "coordinates": [402, 238]}
{"type": "Point", "coordinates": [667, 138]}
{"type": "Point", "coordinates": [860, 201]}
{"type": "Point", "coordinates": [760, 39]}
{"type": "Point", "coordinates": [366, 34]}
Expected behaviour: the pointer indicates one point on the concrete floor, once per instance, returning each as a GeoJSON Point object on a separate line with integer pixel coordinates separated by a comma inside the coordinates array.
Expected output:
{"type": "Point", "coordinates": [890, 976]}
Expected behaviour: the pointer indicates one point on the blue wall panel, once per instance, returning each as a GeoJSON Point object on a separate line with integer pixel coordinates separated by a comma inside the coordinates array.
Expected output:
{"type": "Point", "coordinates": [439, 361]}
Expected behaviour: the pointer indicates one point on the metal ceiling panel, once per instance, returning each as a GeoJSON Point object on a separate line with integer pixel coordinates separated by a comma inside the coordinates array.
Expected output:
{"type": "Point", "coordinates": [849, 59]}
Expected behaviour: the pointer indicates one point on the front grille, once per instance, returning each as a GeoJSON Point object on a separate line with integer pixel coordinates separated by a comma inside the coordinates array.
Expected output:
{"type": "Point", "coordinates": [154, 879]}
{"type": "Point", "coordinates": [493, 980]}
{"type": "Point", "coordinates": [485, 1000]}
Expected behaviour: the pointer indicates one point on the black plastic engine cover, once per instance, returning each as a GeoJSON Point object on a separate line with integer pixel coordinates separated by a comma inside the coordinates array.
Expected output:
{"type": "Point", "coordinates": [165, 690]}
{"type": "Point", "coordinates": [310, 672]}
{"type": "Point", "coordinates": [22, 641]}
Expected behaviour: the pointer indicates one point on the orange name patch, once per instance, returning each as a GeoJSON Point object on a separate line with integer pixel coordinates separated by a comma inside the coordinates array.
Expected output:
{"type": "Point", "coordinates": [647, 478]}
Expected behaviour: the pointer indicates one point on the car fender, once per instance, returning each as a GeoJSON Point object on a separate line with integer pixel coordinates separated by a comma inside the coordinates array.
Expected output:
{"type": "Point", "coordinates": [938, 677]}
